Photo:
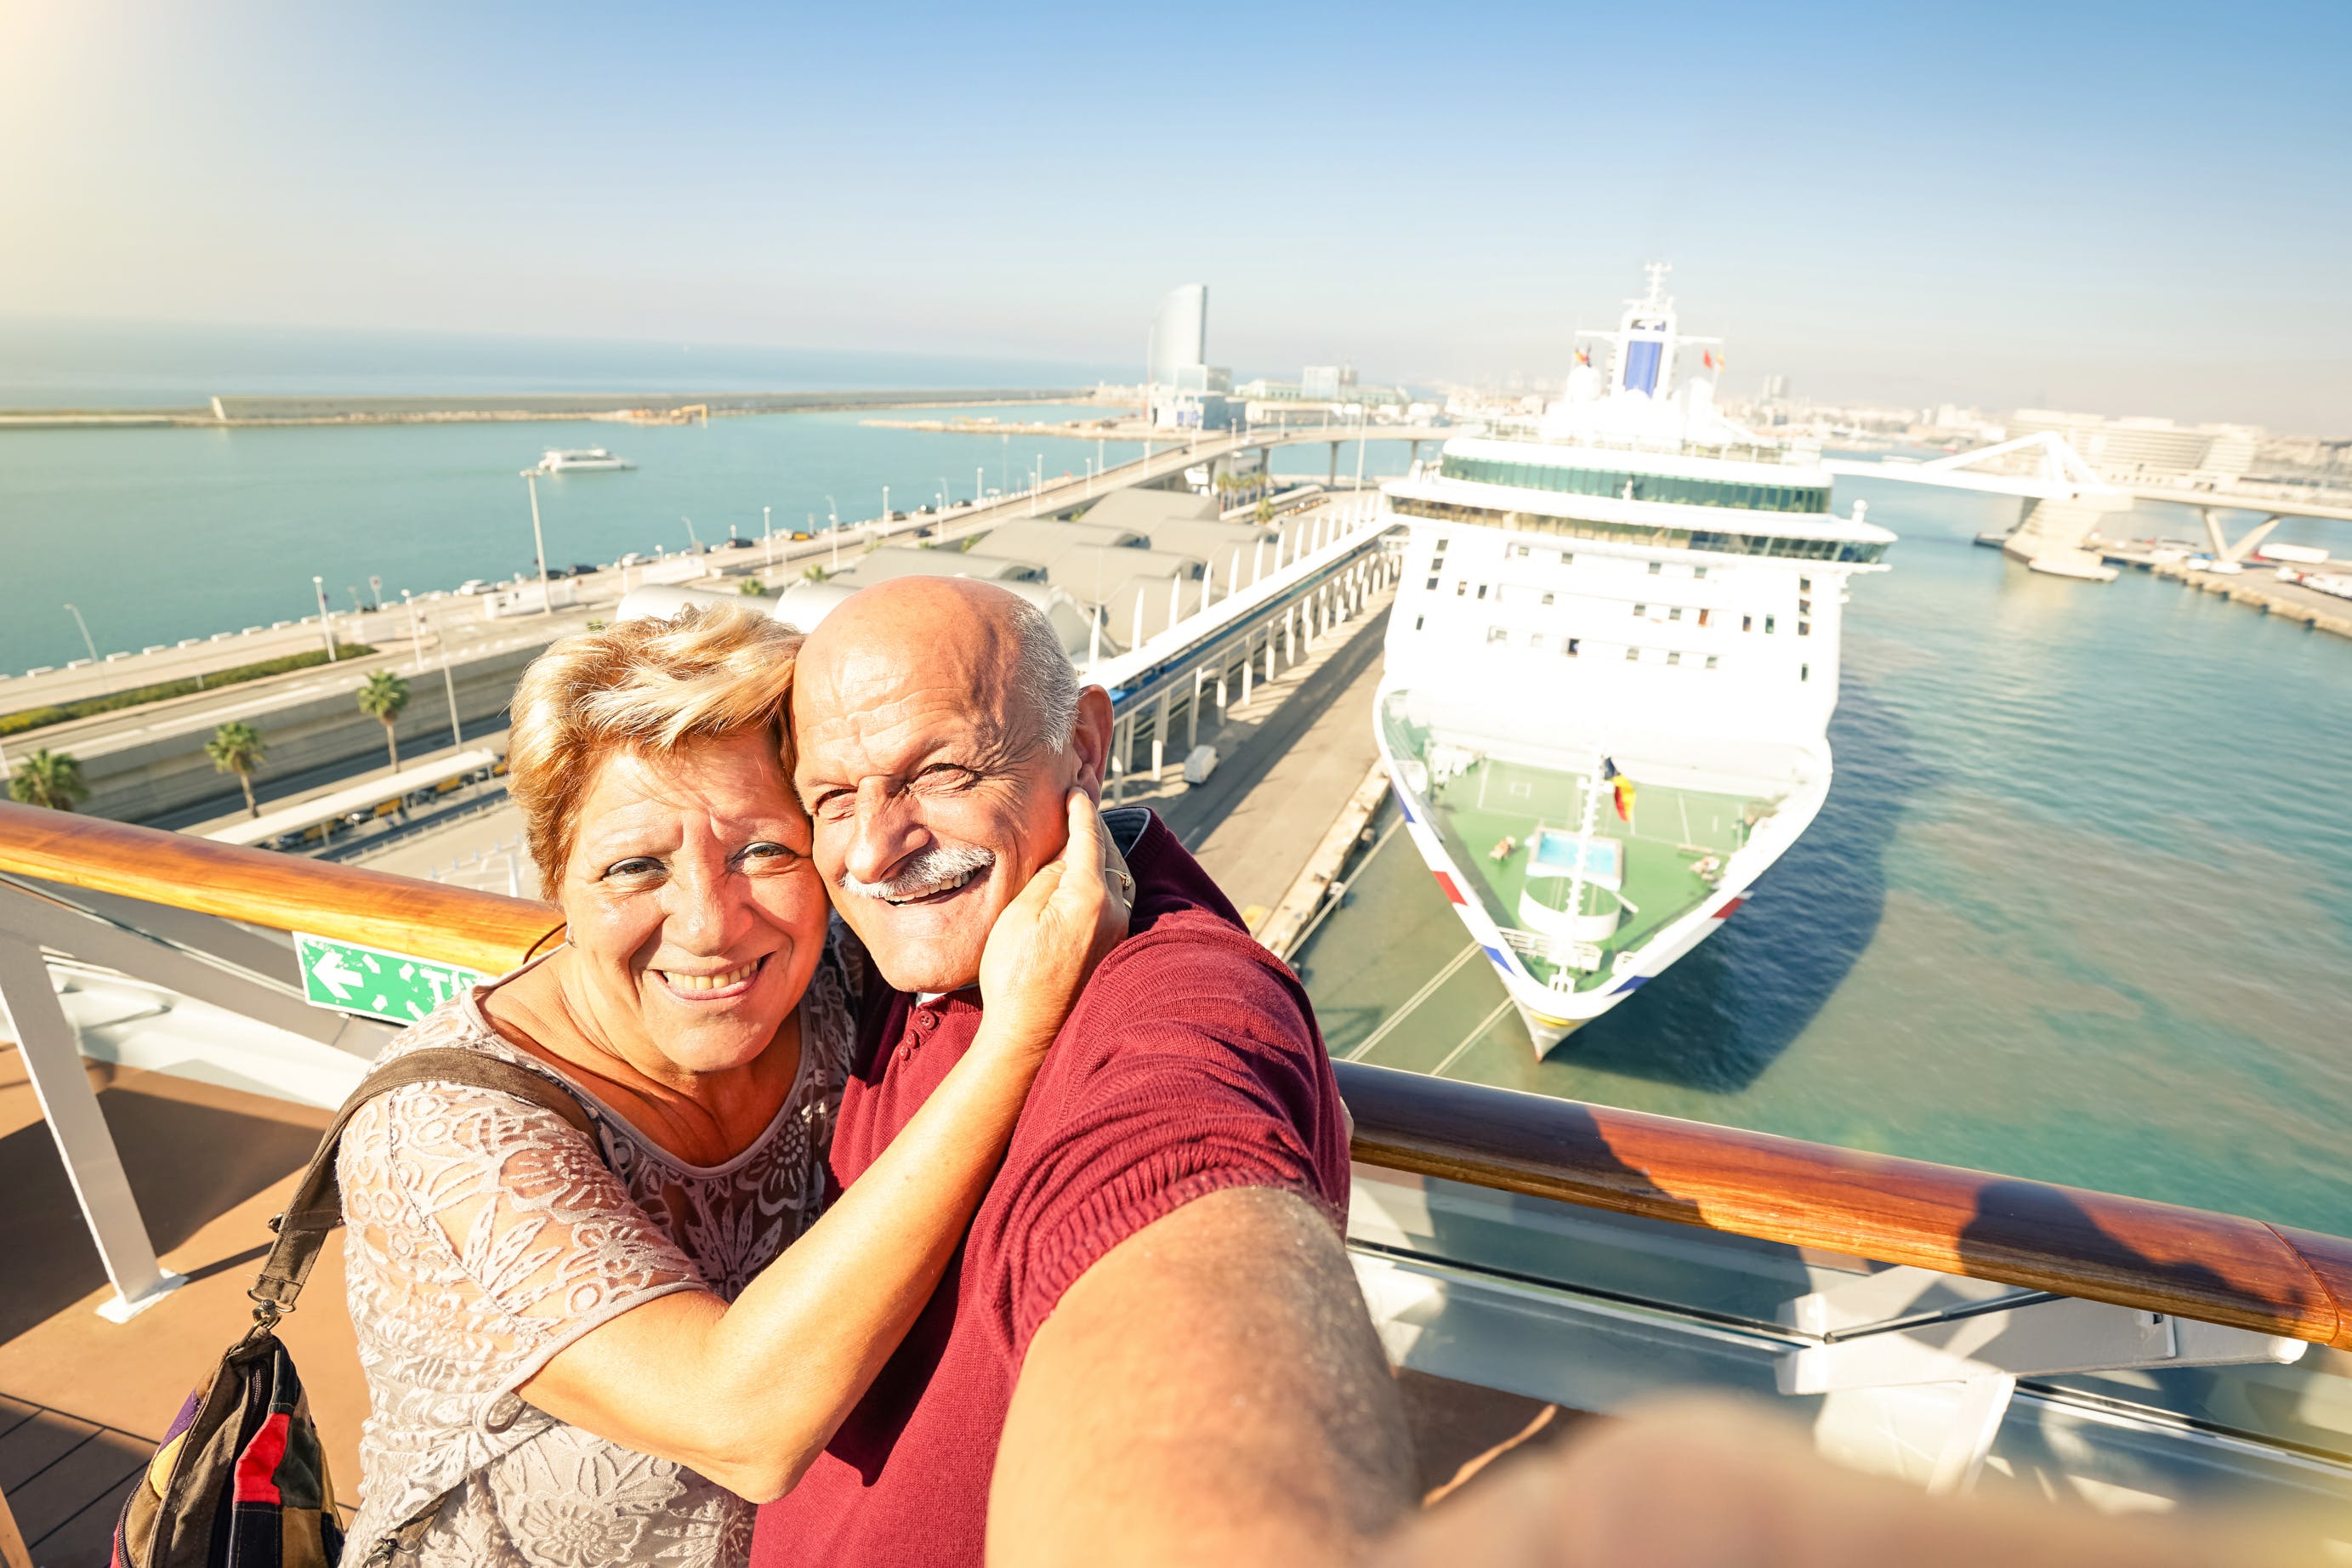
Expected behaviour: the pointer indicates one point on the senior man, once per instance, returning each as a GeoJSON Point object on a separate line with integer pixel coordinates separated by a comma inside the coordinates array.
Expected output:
{"type": "Point", "coordinates": [1150, 1348]}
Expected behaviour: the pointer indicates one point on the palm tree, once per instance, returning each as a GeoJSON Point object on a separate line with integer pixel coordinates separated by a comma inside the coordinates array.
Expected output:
{"type": "Point", "coordinates": [236, 748]}
{"type": "Point", "coordinates": [1265, 510]}
{"type": "Point", "coordinates": [381, 698]}
{"type": "Point", "coordinates": [52, 779]}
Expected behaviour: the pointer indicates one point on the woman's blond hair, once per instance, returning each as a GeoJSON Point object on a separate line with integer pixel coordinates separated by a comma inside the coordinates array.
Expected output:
{"type": "Point", "coordinates": [645, 686]}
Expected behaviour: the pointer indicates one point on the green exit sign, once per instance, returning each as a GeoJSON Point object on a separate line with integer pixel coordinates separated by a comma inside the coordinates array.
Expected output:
{"type": "Point", "coordinates": [373, 982]}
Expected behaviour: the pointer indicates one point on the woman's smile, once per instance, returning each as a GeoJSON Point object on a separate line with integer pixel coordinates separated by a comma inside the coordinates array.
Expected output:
{"type": "Point", "coordinates": [711, 986]}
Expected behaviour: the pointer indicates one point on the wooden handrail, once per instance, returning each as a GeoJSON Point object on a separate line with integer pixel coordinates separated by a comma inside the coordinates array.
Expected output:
{"type": "Point", "coordinates": [2133, 1252]}
{"type": "Point", "coordinates": [285, 892]}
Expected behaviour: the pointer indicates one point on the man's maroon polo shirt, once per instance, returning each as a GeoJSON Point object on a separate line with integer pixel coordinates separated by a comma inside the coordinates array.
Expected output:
{"type": "Point", "coordinates": [1190, 1063]}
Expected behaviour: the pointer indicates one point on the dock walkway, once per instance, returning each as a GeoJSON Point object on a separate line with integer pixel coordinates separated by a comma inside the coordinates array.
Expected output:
{"type": "Point", "coordinates": [2290, 600]}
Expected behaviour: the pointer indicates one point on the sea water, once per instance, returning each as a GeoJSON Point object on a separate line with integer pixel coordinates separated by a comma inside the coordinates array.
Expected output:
{"type": "Point", "coordinates": [2078, 907]}
{"type": "Point", "coordinates": [159, 534]}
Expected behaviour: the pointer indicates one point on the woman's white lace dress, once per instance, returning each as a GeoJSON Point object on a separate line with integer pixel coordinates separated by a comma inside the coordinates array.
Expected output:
{"type": "Point", "coordinates": [484, 1235]}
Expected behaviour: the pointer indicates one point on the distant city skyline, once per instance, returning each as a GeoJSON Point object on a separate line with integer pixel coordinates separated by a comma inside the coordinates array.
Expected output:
{"type": "Point", "coordinates": [2055, 205]}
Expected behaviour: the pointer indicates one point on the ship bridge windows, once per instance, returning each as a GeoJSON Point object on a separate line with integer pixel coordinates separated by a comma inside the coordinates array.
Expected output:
{"type": "Point", "coordinates": [1677, 488]}
{"type": "Point", "coordinates": [1714, 541]}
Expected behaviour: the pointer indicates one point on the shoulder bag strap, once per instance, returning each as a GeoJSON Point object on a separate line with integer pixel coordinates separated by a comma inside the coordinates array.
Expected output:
{"type": "Point", "coordinates": [317, 1205]}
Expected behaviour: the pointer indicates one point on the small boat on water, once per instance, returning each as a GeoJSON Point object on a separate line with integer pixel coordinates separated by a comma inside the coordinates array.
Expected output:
{"type": "Point", "coordinates": [568, 460]}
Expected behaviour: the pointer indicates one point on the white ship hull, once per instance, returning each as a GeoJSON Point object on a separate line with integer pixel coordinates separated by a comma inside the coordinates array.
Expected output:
{"type": "Point", "coordinates": [1610, 672]}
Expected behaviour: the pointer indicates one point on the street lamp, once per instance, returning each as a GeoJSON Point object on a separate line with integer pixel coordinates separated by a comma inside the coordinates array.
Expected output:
{"type": "Point", "coordinates": [85, 632]}
{"type": "Point", "coordinates": [318, 587]}
{"type": "Point", "coordinates": [692, 538]}
{"type": "Point", "coordinates": [538, 542]}
{"type": "Point", "coordinates": [375, 591]}
{"type": "Point", "coordinates": [416, 630]}
{"type": "Point", "coordinates": [768, 535]}
{"type": "Point", "coordinates": [886, 508]}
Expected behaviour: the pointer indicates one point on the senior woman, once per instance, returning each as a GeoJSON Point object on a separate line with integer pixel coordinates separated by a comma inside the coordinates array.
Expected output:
{"type": "Point", "coordinates": [596, 1352]}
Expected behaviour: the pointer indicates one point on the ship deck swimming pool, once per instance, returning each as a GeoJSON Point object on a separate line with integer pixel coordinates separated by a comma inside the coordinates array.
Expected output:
{"type": "Point", "coordinates": [1557, 852]}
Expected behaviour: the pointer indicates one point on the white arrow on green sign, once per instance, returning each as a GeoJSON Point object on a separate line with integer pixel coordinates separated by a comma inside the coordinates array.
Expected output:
{"type": "Point", "coordinates": [373, 982]}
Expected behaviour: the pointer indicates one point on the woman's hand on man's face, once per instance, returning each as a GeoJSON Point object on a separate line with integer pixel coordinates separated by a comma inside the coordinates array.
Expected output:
{"type": "Point", "coordinates": [1045, 944]}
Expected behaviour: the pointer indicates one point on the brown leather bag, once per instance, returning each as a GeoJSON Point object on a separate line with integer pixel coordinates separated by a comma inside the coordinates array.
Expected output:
{"type": "Point", "coordinates": [241, 1478]}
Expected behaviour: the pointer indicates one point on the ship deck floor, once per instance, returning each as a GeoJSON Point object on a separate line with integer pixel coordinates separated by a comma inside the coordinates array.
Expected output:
{"type": "Point", "coordinates": [1669, 832]}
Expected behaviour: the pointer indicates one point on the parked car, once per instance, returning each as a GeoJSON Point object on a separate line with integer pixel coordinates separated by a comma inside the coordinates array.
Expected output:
{"type": "Point", "coordinates": [925, 532]}
{"type": "Point", "coordinates": [739, 542]}
{"type": "Point", "coordinates": [634, 558]}
{"type": "Point", "coordinates": [579, 569]}
{"type": "Point", "coordinates": [473, 585]}
{"type": "Point", "coordinates": [801, 534]}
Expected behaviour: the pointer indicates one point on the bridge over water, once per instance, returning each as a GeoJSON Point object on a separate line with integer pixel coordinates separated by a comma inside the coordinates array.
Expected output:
{"type": "Point", "coordinates": [2066, 498]}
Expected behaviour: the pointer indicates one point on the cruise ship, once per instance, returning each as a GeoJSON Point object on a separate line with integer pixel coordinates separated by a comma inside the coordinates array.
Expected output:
{"type": "Point", "coordinates": [1610, 667]}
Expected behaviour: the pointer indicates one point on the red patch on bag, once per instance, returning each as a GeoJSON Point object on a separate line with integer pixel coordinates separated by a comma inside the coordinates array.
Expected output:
{"type": "Point", "coordinates": [257, 1467]}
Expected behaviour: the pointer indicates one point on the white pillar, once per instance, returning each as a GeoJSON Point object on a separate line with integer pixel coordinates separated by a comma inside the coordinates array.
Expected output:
{"type": "Point", "coordinates": [1175, 605]}
{"type": "Point", "coordinates": [1136, 641]}
{"type": "Point", "coordinates": [52, 1057]}
{"type": "Point", "coordinates": [1160, 737]}
{"type": "Point", "coordinates": [1233, 573]}
{"type": "Point", "coordinates": [1249, 668]}
{"type": "Point", "coordinates": [1257, 563]}
{"type": "Point", "coordinates": [1193, 713]}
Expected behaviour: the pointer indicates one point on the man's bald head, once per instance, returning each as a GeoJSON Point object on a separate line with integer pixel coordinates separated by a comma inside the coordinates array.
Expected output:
{"type": "Point", "coordinates": [1004, 643]}
{"type": "Point", "coordinates": [937, 730]}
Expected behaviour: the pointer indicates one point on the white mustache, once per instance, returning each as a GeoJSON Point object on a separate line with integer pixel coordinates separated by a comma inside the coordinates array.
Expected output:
{"type": "Point", "coordinates": [941, 866]}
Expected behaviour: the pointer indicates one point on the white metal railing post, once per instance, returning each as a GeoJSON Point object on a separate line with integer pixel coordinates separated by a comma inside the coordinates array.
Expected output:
{"type": "Point", "coordinates": [52, 1053]}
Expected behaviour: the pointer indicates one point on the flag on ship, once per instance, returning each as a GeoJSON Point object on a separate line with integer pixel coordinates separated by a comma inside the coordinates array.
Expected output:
{"type": "Point", "coordinates": [1708, 359]}
{"type": "Point", "coordinates": [1621, 786]}
{"type": "Point", "coordinates": [1583, 356]}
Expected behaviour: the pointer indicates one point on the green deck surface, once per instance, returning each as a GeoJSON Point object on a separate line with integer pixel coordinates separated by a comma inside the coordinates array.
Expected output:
{"type": "Point", "coordinates": [1671, 831]}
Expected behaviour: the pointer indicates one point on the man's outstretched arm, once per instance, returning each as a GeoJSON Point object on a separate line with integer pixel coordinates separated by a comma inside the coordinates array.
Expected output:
{"type": "Point", "coordinates": [1209, 1390]}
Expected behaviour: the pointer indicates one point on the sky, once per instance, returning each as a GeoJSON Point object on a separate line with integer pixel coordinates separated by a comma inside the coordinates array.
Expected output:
{"type": "Point", "coordinates": [2128, 208]}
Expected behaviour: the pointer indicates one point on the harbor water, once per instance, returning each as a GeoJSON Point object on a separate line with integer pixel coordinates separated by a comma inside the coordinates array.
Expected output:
{"type": "Point", "coordinates": [2079, 907]}
{"type": "Point", "coordinates": [164, 533]}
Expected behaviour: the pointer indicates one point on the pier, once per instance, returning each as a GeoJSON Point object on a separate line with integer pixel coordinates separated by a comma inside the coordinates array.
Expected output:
{"type": "Point", "coordinates": [2288, 601]}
